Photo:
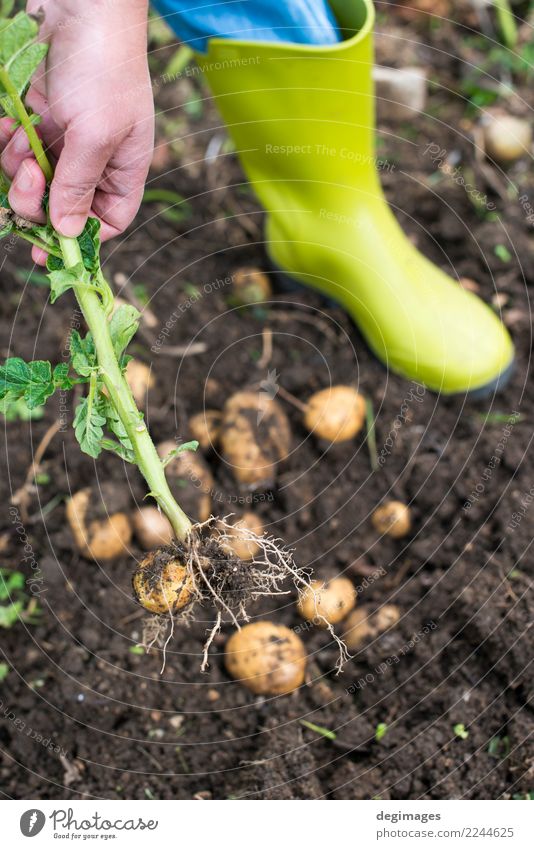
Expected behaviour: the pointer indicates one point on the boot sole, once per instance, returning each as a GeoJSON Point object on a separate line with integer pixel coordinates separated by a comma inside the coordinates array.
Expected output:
{"type": "Point", "coordinates": [284, 283]}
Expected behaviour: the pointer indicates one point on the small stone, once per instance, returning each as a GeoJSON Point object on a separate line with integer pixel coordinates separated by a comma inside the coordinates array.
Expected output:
{"type": "Point", "coordinates": [213, 695]}
{"type": "Point", "coordinates": [401, 92]}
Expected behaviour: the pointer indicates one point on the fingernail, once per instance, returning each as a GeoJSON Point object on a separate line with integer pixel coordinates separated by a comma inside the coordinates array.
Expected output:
{"type": "Point", "coordinates": [24, 178]}
{"type": "Point", "coordinates": [20, 142]}
{"type": "Point", "coordinates": [72, 225]}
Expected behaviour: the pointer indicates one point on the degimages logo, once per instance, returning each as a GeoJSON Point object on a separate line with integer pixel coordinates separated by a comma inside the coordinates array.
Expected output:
{"type": "Point", "coordinates": [32, 822]}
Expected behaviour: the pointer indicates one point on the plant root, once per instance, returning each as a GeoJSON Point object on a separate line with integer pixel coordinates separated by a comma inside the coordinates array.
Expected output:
{"type": "Point", "coordinates": [220, 579]}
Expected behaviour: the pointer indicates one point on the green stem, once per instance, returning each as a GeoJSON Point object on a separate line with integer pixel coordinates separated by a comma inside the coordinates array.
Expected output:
{"type": "Point", "coordinates": [38, 243]}
{"type": "Point", "coordinates": [24, 118]}
{"type": "Point", "coordinates": [146, 456]}
{"type": "Point", "coordinates": [507, 24]}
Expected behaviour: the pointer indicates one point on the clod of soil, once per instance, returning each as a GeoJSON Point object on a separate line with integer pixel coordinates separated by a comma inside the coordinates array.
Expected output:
{"type": "Point", "coordinates": [326, 604]}
{"type": "Point", "coordinates": [241, 539]}
{"type": "Point", "coordinates": [98, 536]}
{"type": "Point", "coordinates": [205, 427]}
{"type": "Point", "coordinates": [255, 437]}
{"type": "Point", "coordinates": [152, 528]}
{"type": "Point", "coordinates": [140, 380]}
{"type": "Point", "coordinates": [250, 286]}
{"type": "Point", "coordinates": [506, 138]}
{"type": "Point", "coordinates": [268, 659]}
{"type": "Point", "coordinates": [335, 414]}
{"type": "Point", "coordinates": [393, 519]}
{"type": "Point", "coordinates": [190, 480]}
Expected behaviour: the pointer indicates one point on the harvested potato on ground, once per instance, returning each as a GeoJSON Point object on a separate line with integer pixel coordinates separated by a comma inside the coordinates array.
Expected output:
{"type": "Point", "coordinates": [385, 617]}
{"type": "Point", "coordinates": [506, 138]}
{"type": "Point", "coordinates": [335, 414]}
{"type": "Point", "coordinates": [362, 624]}
{"type": "Point", "coordinates": [237, 541]}
{"type": "Point", "coordinates": [205, 428]}
{"type": "Point", "coordinates": [100, 531]}
{"type": "Point", "coordinates": [152, 528]}
{"type": "Point", "coordinates": [250, 286]}
{"type": "Point", "coordinates": [162, 584]}
{"type": "Point", "coordinates": [393, 519]}
{"type": "Point", "coordinates": [268, 659]}
{"type": "Point", "coordinates": [190, 480]}
{"type": "Point", "coordinates": [255, 437]}
{"type": "Point", "coordinates": [140, 380]}
{"type": "Point", "coordinates": [331, 601]}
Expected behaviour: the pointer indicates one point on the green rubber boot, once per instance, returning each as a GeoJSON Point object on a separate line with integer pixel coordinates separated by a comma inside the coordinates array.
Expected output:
{"type": "Point", "coordinates": [302, 118]}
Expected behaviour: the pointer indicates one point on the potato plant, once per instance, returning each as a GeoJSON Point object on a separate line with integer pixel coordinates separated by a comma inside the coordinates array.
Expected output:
{"type": "Point", "coordinates": [107, 417]}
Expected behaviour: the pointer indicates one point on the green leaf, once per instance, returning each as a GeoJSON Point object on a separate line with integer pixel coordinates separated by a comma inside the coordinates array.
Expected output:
{"type": "Point", "coordinates": [123, 327]}
{"type": "Point", "coordinates": [41, 384]}
{"type": "Point", "coordinates": [4, 670]}
{"type": "Point", "coordinates": [21, 69]}
{"type": "Point", "coordinates": [319, 729]}
{"type": "Point", "coordinates": [380, 731]}
{"type": "Point", "coordinates": [16, 33]}
{"type": "Point", "coordinates": [64, 279]}
{"type": "Point", "coordinates": [186, 446]}
{"type": "Point", "coordinates": [14, 376]}
{"type": "Point", "coordinates": [61, 377]}
{"type": "Point", "coordinates": [117, 448]}
{"type": "Point", "coordinates": [115, 425]}
{"type": "Point", "coordinates": [16, 409]}
{"type": "Point", "coordinates": [89, 242]}
{"type": "Point", "coordinates": [54, 263]}
{"type": "Point", "coordinates": [31, 381]}
{"type": "Point", "coordinates": [83, 354]}
{"type": "Point", "coordinates": [88, 427]}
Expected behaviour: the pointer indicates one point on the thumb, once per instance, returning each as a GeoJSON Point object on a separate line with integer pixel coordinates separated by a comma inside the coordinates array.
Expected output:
{"type": "Point", "coordinates": [78, 171]}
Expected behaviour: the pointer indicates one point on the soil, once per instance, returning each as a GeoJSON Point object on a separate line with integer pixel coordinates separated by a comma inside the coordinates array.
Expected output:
{"type": "Point", "coordinates": [100, 720]}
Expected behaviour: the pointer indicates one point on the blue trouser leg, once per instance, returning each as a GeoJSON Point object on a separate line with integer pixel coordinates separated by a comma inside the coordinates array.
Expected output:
{"type": "Point", "coordinates": [301, 21]}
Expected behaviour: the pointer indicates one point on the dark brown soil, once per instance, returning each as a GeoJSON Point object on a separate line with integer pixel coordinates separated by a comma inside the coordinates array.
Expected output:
{"type": "Point", "coordinates": [460, 653]}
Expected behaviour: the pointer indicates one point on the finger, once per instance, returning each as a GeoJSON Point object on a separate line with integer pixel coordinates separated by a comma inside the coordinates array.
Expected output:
{"type": "Point", "coordinates": [39, 257]}
{"type": "Point", "coordinates": [49, 131]}
{"type": "Point", "coordinates": [15, 152]}
{"type": "Point", "coordinates": [80, 167]}
{"type": "Point", "coordinates": [6, 131]}
{"type": "Point", "coordinates": [120, 192]}
{"type": "Point", "coordinates": [27, 190]}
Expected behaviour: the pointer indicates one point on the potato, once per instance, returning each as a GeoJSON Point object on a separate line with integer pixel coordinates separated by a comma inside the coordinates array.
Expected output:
{"type": "Point", "coordinates": [332, 601]}
{"type": "Point", "coordinates": [393, 519]}
{"type": "Point", "coordinates": [362, 624]}
{"type": "Point", "coordinates": [243, 548]}
{"type": "Point", "coordinates": [268, 659]}
{"type": "Point", "coordinates": [105, 538]}
{"type": "Point", "coordinates": [255, 437]}
{"type": "Point", "coordinates": [162, 584]}
{"type": "Point", "coordinates": [506, 138]}
{"type": "Point", "coordinates": [385, 617]}
{"type": "Point", "coordinates": [140, 379]}
{"type": "Point", "coordinates": [357, 627]}
{"type": "Point", "coordinates": [250, 286]}
{"type": "Point", "coordinates": [190, 480]}
{"type": "Point", "coordinates": [152, 527]}
{"type": "Point", "coordinates": [205, 428]}
{"type": "Point", "coordinates": [335, 414]}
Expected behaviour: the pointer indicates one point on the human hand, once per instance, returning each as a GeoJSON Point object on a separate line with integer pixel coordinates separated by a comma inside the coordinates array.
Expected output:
{"type": "Point", "coordinates": [95, 100]}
